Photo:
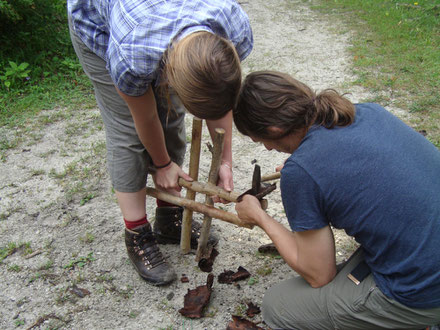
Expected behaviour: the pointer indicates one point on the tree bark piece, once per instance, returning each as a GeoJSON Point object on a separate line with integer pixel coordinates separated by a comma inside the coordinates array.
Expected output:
{"type": "Point", "coordinates": [218, 141]}
{"type": "Point", "coordinates": [198, 207]}
{"type": "Point", "coordinates": [209, 189]}
{"type": "Point", "coordinates": [194, 160]}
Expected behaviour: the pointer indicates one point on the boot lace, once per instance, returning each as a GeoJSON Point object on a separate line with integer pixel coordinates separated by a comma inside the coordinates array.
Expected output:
{"type": "Point", "coordinates": [148, 249]}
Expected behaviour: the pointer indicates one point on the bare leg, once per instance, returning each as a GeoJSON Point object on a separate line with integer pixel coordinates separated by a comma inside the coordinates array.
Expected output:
{"type": "Point", "coordinates": [132, 205]}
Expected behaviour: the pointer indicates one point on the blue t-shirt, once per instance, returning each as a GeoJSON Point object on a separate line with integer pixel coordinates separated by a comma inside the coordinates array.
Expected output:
{"type": "Point", "coordinates": [132, 35]}
{"type": "Point", "coordinates": [379, 180]}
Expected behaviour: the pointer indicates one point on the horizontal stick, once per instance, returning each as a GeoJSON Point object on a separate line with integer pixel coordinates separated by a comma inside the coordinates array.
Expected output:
{"type": "Point", "coordinates": [198, 207]}
{"type": "Point", "coordinates": [209, 189]}
{"type": "Point", "coordinates": [272, 176]}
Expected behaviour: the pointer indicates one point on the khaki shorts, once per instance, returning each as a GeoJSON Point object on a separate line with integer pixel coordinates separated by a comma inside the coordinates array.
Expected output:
{"type": "Point", "coordinates": [294, 304]}
{"type": "Point", "coordinates": [127, 159]}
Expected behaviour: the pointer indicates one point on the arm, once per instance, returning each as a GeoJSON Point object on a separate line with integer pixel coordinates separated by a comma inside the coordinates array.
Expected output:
{"type": "Point", "coordinates": [149, 129]}
{"type": "Point", "coordinates": [225, 173]}
{"type": "Point", "coordinates": [310, 253]}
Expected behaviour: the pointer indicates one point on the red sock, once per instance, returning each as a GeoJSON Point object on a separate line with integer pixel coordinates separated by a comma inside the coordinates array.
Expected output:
{"type": "Point", "coordinates": [161, 203]}
{"type": "Point", "coordinates": [136, 223]}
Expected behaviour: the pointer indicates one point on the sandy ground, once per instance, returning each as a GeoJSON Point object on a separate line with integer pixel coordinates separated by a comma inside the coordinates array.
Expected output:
{"type": "Point", "coordinates": [58, 209]}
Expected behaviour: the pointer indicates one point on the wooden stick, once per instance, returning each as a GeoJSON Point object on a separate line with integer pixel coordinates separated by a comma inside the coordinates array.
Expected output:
{"type": "Point", "coordinates": [218, 141]}
{"type": "Point", "coordinates": [198, 207]}
{"type": "Point", "coordinates": [209, 189]}
{"type": "Point", "coordinates": [194, 160]}
{"type": "Point", "coordinates": [272, 176]}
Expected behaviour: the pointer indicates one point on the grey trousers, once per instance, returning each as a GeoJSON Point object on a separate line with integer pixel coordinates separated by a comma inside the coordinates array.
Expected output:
{"type": "Point", "coordinates": [127, 159]}
{"type": "Point", "coordinates": [294, 304]}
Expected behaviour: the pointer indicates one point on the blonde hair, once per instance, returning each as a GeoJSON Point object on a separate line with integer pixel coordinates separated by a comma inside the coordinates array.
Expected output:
{"type": "Point", "coordinates": [204, 70]}
{"type": "Point", "coordinates": [270, 98]}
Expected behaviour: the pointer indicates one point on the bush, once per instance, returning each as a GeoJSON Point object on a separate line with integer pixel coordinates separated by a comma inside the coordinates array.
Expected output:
{"type": "Point", "coordinates": [33, 32]}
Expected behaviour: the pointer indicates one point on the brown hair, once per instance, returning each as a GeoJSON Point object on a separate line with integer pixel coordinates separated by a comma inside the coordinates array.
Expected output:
{"type": "Point", "coordinates": [204, 70]}
{"type": "Point", "coordinates": [270, 98]}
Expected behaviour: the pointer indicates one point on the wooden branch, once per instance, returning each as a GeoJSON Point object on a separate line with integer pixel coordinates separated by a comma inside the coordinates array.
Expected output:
{"type": "Point", "coordinates": [272, 176]}
{"type": "Point", "coordinates": [209, 189]}
{"type": "Point", "coordinates": [218, 141]}
{"type": "Point", "coordinates": [208, 210]}
{"type": "Point", "coordinates": [194, 160]}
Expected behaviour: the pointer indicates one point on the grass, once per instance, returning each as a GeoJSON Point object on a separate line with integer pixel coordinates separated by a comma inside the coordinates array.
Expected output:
{"type": "Point", "coordinates": [12, 247]}
{"type": "Point", "coordinates": [69, 90]}
{"type": "Point", "coordinates": [396, 54]}
{"type": "Point", "coordinates": [80, 262]}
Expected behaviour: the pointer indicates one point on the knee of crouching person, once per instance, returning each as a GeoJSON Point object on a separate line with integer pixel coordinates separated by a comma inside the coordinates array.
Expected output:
{"type": "Point", "coordinates": [269, 309]}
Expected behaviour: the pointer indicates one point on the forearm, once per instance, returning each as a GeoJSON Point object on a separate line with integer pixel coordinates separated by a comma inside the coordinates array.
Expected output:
{"type": "Point", "coordinates": [153, 139]}
{"type": "Point", "coordinates": [310, 253]}
{"type": "Point", "coordinates": [283, 239]}
{"type": "Point", "coordinates": [148, 126]}
{"type": "Point", "coordinates": [315, 266]}
{"type": "Point", "coordinates": [226, 124]}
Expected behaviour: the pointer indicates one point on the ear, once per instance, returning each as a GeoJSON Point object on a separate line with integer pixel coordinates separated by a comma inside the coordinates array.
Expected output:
{"type": "Point", "coordinates": [275, 130]}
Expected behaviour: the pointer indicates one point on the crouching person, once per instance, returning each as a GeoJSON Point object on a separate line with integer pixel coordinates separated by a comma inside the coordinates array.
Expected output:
{"type": "Point", "coordinates": [352, 167]}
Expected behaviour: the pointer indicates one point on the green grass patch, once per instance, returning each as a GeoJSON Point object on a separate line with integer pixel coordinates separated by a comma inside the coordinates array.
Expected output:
{"type": "Point", "coordinates": [396, 53]}
{"type": "Point", "coordinates": [80, 262]}
{"type": "Point", "coordinates": [17, 107]}
{"type": "Point", "coordinates": [12, 247]}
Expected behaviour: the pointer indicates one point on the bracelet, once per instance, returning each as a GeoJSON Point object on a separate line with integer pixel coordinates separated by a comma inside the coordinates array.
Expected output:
{"type": "Point", "coordinates": [163, 166]}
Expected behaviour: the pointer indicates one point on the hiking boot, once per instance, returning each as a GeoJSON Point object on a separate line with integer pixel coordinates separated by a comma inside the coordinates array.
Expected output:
{"type": "Point", "coordinates": [146, 257]}
{"type": "Point", "coordinates": [168, 227]}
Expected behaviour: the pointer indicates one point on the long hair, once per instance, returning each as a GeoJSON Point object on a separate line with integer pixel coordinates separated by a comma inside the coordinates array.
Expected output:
{"type": "Point", "coordinates": [270, 98]}
{"type": "Point", "coordinates": [205, 72]}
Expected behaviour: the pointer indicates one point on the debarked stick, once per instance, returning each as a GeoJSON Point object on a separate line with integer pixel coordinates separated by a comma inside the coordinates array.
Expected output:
{"type": "Point", "coordinates": [198, 207]}
{"type": "Point", "coordinates": [209, 189]}
{"type": "Point", "coordinates": [194, 160]}
{"type": "Point", "coordinates": [272, 176]}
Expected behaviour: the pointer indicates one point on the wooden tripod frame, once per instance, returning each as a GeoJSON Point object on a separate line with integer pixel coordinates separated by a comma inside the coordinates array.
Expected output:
{"type": "Point", "coordinates": [209, 189]}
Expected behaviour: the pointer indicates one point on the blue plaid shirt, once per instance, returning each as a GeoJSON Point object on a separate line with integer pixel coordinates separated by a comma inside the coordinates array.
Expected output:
{"type": "Point", "coordinates": [132, 35]}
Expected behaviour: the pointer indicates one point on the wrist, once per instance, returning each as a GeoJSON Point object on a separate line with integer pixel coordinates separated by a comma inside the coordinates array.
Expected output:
{"type": "Point", "coordinates": [160, 166]}
{"type": "Point", "coordinates": [227, 164]}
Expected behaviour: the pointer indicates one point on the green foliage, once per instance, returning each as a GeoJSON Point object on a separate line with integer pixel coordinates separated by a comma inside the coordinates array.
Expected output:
{"type": "Point", "coordinates": [15, 75]}
{"type": "Point", "coordinates": [19, 322]}
{"type": "Point", "coordinates": [396, 53]}
{"type": "Point", "coordinates": [38, 66]}
{"type": "Point", "coordinates": [86, 199]}
{"type": "Point", "coordinates": [80, 261]}
{"type": "Point", "coordinates": [33, 30]}
{"type": "Point", "coordinates": [12, 247]}
{"type": "Point", "coordinates": [7, 250]}
{"type": "Point", "coordinates": [253, 280]}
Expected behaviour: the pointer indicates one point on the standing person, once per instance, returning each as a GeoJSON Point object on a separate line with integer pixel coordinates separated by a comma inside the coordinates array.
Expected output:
{"type": "Point", "coordinates": [352, 167]}
{"type": "Point", "coordinates": [147, 60]}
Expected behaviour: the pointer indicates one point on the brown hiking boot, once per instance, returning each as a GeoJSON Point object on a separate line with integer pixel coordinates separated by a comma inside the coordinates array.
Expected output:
{"type": "Point", "coordinates": [146, 257]}
{"type": "Point", "coordinates": [168, 227]}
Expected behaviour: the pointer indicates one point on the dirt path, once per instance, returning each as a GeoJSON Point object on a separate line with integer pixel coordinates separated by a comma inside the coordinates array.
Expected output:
{"type": "Point", "coordinates": [58, 211]}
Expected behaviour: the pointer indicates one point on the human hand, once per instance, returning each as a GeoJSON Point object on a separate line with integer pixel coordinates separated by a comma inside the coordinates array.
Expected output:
{"type": "Point", "coordinates": [166, 179]}
{"type": "Point", "coordinates": [249, 210]}
{"type": "Point", "coordinates": [225, 181]}
{"type": "Point", "coordinates": [280, 167]}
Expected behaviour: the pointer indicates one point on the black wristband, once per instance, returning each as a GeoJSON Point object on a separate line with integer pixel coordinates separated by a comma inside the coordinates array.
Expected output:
{"type": "Point", "coordinates": [163, 166]}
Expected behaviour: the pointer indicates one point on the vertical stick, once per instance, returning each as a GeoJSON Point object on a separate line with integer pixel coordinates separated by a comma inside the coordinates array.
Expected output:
{"type": "Point", "coordinates": [218, 141]}
{"type": "Point", "coordinates": [194, 160]}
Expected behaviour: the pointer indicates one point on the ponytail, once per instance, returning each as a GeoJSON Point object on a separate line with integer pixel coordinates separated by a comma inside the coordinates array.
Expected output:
{"type": "Point", "coordinates": [270, 98]}
{"type": "Point", "coordinates": [333, 109]}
